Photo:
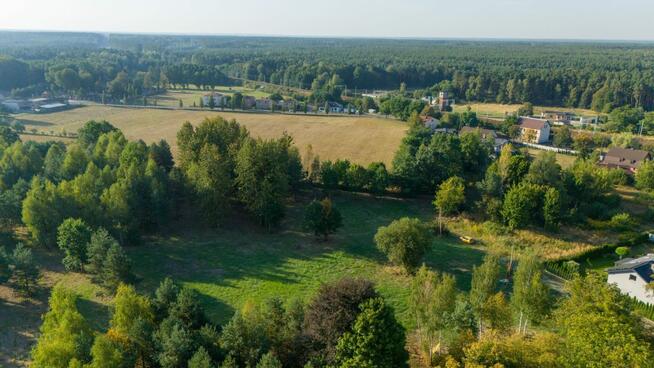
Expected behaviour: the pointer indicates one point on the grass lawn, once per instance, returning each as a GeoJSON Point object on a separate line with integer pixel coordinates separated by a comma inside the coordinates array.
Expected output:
{"type": "Point", "coordinates": [189, 96]}
{"type": "Point", "coordinates": [241, 263]}
{"type": "Point", "coordinates": [361, 139]}
{"type": "Point", "coordinates": [562, 159]}
{"type": "Point", "coordinates": [496, 110]}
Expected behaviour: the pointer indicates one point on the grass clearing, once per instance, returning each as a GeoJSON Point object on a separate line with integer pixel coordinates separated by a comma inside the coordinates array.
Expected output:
{"type": "Point", "coordinates": [562, 159]}
{"type": "Point", "coordinates": [189, 96]}
{"type": "Point", "coordinates": [495, 110]}
{"type": "Point", "coordinates": [361, 139]}
{"type": "Point", "coordinates": [241, 263]}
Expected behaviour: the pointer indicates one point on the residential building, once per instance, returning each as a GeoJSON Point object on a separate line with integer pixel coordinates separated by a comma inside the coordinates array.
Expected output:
{"type": "Point", "coordinates": [533, 130]}
{"type": "Point", "coordinates": [219, 99]}
{"type": "Point", "coordinates": [249, 102]}
{"type": "Point", "coordinates": [562, 116]}
{"type": "Point", "coordinates": [445, 102]}
{"type": "Point", "coordinates": [263, 104]}
{"type": "Point", "coordinates": [632, 276]}
{"type": "Point", "coordinates": [430, 122]}
{"type": "Point", "coordinates": [499, 140]}
{"type": "Point", "coordinates": [624, 158]}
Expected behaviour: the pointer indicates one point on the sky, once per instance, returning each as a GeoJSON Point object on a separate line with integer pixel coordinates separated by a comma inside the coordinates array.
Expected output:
{"type": "Point", "coordinates": [524, 19]}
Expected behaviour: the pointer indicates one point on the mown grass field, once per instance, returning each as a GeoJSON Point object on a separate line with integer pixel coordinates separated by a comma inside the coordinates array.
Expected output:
{"type": "Point", "coordinates": [189, 96]}
{"type": "Point", "coordinates": [360, 139]}
{"type": "Point", "coordinates": [496, 110]}
{"type": "Point", "coordinates": [242, 263]}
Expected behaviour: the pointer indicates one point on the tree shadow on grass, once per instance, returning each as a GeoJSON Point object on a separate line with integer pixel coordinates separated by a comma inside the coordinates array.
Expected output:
{"type": "Point", "coordinates": [35, 122]}
{"type": "Point", "coordinates": [97, 314]}
{"type": "Point", "coordinates": [242, 253]}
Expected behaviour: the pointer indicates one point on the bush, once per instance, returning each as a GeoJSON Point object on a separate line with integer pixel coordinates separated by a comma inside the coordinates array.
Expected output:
{"type": "Point", "coordinates": [404, 242]}
{"type": "Point", "coordinates": [622, 222]}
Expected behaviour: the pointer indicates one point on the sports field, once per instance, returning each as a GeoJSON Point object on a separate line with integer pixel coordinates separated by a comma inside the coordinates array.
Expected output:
{"type": "Point", "coordinates": [360, 139]}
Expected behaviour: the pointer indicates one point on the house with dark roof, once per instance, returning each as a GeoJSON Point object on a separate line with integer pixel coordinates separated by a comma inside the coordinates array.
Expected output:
{"type": "Point", "coordinates": [534, 130]}
{"type": "Point", "coordinates": [499, 140]}
{"type": "Point", "coordinates": [626, 159]}
{"type": "Point", "coordinates": [632, 276]}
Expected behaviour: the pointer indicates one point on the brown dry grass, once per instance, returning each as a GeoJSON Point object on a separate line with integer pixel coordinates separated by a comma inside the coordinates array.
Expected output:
{"type": "Point", "coordinates": [360, 139]}
{"type": "Point", "coordinates": [567, 242]}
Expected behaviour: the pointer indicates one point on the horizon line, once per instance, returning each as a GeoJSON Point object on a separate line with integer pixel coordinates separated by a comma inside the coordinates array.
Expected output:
{"type": "Point", "coordinates": [349, 37]}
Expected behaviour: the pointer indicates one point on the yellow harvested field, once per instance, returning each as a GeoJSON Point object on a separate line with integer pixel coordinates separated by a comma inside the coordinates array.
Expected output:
{"type": "Point", "coordinates": [359, 139]}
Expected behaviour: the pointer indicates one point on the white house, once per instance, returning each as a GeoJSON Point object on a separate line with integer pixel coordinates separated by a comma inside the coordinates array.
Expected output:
{"type": "Point", "coordinates": [219, 99]}
{"type": "Point", "coordinates": [631, 276]}
{"type": "Point", "coordinates": [533, 130]}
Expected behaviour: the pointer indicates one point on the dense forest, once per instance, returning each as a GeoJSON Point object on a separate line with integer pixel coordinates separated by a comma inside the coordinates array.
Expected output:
{"type": "Point", "coordinates": [601, 76]}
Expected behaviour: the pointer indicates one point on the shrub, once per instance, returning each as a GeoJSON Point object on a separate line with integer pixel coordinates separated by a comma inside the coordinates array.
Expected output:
{"type": "Point", "coordinates": [404, 242]}
{"type": "Point", "coordinates": [622, 222]}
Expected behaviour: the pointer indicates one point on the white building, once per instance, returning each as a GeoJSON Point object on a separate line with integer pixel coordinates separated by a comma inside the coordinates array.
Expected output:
{"type": "Point", "coordinates": [219, 99]}
{"type": "Point", "coordinates": [533, 130]}
{"type": "Point", "coordinates": [631, 276]}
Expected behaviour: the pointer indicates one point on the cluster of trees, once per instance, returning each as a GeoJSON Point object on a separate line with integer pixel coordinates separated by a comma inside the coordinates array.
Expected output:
{"type": "Point", "coordinates": [95, 252]}
{"type": "Point", "coordinates": [346, 324]}
{"type": "Point", "coordinates": [221, 162]}
{"type": "Point", "coordinates": [486, 328]}
{"type": "Point", "coordinates": [425, 159]}
{"type": "Point", "coordinates": [518, 191]}
{"type": "Point", "coordinates": [346, 175]}
{"type": "Point", "coordinates": [18, 268]}
{"type": "Point", "coordinates": [102, 179]}
{"type": "Point", "coordinates": [585, 75]}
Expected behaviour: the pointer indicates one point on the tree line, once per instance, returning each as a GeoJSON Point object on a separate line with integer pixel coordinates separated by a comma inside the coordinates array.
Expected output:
{"type": "Point", "coordinates": [600, 76]}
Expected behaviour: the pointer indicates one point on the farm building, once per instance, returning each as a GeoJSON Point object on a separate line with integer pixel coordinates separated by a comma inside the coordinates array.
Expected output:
{"type": "Point", "coordinates": [533, 130]}
{"type": "Point", "coordinates": [624, 158]}
{"type": "Point", "coordinates": [51, 107]}
{"type": "Point", "coordinates": [631, 276]}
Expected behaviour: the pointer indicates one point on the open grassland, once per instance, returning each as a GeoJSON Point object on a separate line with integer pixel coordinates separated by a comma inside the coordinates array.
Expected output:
{"type": "Point", "coordinates": [242, 263]}
{"type": "Point", "coordinates": [562, 159]}
{"type": "Point", "coordinates": [496, 110]}
{"type": "Point", "coordinates": [358, 138]}
{"type": "Point", "coordinates": [189, 96]}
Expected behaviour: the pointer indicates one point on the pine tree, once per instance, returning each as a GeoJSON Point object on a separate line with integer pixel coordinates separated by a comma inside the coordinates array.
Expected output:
{"type": "Point", "coordinates": [200, 359]}
{"type": "Point", "coordinates": [377, 339]}
{"type": "Point", "coordinates": [269, 360]}
{"type": "Point", "coordinates": [25, 270]}
{"type": "Point", "coordinates": [116, 267]}
{"type": "Point", "coordinates": [96, 251]}
{"type": "Point", "coordinates": [5, 270]}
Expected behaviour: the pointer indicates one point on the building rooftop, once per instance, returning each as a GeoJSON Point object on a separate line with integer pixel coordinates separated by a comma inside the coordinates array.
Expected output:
{"type": "Point", "coordinates": [532, 123]}
{"type": "Point", "coordinates": [642, 266]}
{"type": "Point", "coordinates": [53, 106]}
{"type": "Point", "coordinates": [627, 154]}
